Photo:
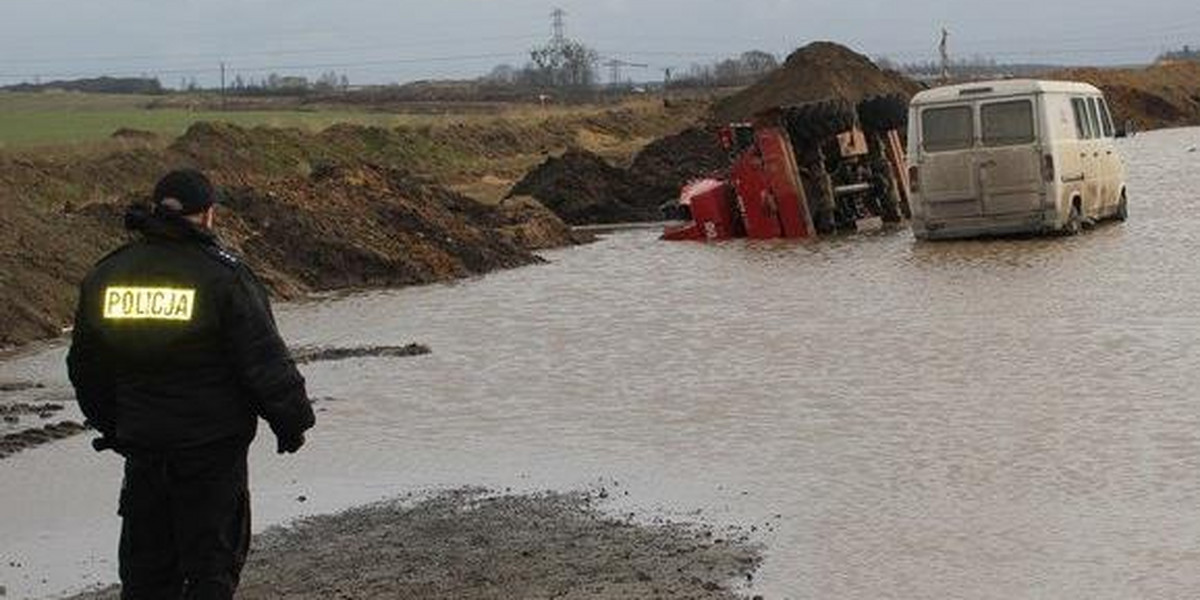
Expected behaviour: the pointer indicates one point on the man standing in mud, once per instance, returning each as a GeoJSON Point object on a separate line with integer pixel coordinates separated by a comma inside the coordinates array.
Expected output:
{"type": "Point", "coordinates": [174, 356]}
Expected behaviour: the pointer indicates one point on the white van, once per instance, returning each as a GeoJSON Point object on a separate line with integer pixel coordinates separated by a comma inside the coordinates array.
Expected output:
{"type": "Point", "coordinates": [1013, 156]}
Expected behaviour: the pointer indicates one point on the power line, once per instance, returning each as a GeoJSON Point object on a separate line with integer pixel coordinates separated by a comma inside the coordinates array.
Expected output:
{"type": "Point", "coordinates": [193, 70]}
{"type": "Point", "coordinates": [289, 52]}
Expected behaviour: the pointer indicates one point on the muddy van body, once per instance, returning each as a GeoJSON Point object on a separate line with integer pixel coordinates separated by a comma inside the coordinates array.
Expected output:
{"type": "Point", "coordinates": [1013, 156]}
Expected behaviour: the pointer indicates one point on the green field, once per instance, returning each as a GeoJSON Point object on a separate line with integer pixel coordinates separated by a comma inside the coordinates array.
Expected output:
{"type": "Point", "coordinates": [31, 120]}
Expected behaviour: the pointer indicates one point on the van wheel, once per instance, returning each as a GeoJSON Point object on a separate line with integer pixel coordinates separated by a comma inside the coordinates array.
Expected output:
{"type": "Point", "coordinates": [1122, 209]}
{"type": "Point", "coordinates": [1074, 221]}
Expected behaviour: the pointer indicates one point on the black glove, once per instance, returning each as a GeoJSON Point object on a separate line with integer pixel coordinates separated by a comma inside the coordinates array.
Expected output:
{"type": "Point", "coordinates": [289, 443]}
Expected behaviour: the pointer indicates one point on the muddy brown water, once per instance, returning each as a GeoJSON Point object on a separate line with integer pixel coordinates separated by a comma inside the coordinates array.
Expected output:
{"type": "Point", "coordinates": [999, 419]}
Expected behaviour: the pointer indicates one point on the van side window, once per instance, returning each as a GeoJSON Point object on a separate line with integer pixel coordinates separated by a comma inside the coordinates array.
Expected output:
{"type": "Point", "coordinates": [1094, 115]}
{"type": "Point", "coordinates": [1083, 127]}
{"type": "Point", "coordinates": [1007, 123]}
{"type": "Point", "coordinates": [1105, 118]}
{"type": "Point", "coordinates": [950, 128]}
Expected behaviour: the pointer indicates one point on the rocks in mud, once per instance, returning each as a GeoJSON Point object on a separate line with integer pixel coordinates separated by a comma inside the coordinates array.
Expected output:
{"type": "Point", "coordinates": [15, 442]}
{"type": "Point", "coordinates": [21, 408]}
{"type": "Point", "coordinates": [19, 386]}
{"type": "Point", "coordinates": [307, 354]}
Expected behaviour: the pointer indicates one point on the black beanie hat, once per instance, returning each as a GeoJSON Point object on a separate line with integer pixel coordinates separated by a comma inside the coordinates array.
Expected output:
{"type": "Point", "coordinates": [184, 191]}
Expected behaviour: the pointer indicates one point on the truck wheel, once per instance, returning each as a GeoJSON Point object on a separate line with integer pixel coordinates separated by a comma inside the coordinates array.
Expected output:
{"type": "Point", "coordinates": [1122, 208]}
{"type": "Point", "coordinates": [813, 122]}
{"type": "Point", "coordinates": [889, 199]}
{"type": "Point", "coordinates": [883, 113]}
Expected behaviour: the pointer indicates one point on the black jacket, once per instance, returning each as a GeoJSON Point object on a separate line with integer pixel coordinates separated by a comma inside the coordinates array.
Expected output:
{"type": "Point", "coordinates": [175, 345]}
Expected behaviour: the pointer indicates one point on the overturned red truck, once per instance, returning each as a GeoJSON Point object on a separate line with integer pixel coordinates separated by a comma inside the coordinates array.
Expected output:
{"type": "Point", "coordinates": [803, 171]}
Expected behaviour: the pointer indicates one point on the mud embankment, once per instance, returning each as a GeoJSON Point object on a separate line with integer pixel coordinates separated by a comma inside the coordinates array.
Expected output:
{"type": "Point", "coordinates": [349, 207]}
{"type": "Point", "coordinates": [475, 545]}
{"type": "Point", "coordinates": [1162, 95]}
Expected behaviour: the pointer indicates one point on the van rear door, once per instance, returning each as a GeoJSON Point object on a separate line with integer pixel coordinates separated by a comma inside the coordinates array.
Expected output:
{"type": "Point", "coordinates": [947, 164]}
{"type": "Point", "coordinates": [1009, 157]}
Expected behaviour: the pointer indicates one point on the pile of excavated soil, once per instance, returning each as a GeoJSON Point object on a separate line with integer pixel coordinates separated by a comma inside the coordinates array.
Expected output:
{"type": "Point", "coordinates": [1164, 95]}
{"type": "Point", "coordinates": [471, 545]}
{"type": "Point", "coordinates": [664, 166]}
{"type": "Point", "coordinates": [584, 189]}
{"type": "Point", "coordinates": [815, 72]}
{"type": "Point", "coordinates": [365, 226]}
{"type": "Point", "coordinates": [307, 211]}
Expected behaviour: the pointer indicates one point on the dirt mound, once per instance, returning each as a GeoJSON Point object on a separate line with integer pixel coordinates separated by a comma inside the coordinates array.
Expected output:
{"type": "Point", "coordinates": [350, 206]}
{"type": "Point", "coordinates": [817, 71]}
{"type": "Point", "coordinates": [473, 545]}
{"type": "Point", "coordinates": [666, 165]}
{"type": "Point", "coordinates": [365, 226]}
{"type": "Point", "coordinates": [15, 442]}
{"type": "Point", "coordinates": [529, 224]}
{"type": "Point", "coordinates": [304, 355]}
{"type": "Point", "coordinates": [306, 215]}
{"type": "Point", "coordinates": [139, 135]}
{"type": "Point", "coordinates": [584, 189]}
{"type": "Point", "coordinates": [1162, 95]}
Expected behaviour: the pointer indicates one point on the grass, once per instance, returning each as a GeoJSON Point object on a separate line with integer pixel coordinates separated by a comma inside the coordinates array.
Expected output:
{"type": "Point", "coordinates": [65, 119]}
{"type": "Point", "coordinates": [55, 119]}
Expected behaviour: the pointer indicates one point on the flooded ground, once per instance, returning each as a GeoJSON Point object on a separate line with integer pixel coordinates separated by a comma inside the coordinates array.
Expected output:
{"type": "Point", "coordinates": [994, 419]}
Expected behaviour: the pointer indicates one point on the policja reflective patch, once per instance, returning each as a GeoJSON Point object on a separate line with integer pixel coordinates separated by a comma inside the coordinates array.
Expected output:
{"type": "Point", "coordinates": [154, 303]}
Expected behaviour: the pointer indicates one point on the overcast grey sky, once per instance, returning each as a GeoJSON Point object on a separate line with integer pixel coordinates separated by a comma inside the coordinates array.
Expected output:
{"type": "Point", "coordinates": [375, 41]}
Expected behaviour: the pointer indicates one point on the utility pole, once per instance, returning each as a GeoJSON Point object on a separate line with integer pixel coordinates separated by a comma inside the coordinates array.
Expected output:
{"type": "Point", "coordinates": [666, 86]}
{"type": "Point", "coordinates": [944, 50]}
{"type": "Point", "coordinates": [560, 27]}
{"type": "Point", "coordinates": [614, 69]}
{"type": "Point", "coordinates": [222, 86]}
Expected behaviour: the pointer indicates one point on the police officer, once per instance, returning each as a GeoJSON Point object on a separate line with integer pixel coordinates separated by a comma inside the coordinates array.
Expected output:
{"type": "Point", "coordinates": [174, 356]}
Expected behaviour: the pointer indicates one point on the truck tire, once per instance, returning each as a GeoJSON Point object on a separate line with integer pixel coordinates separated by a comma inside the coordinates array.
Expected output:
{"type": "Point", "coordinates": [883, 113]}
{"type": "Point", "coordinates": [813, 122]}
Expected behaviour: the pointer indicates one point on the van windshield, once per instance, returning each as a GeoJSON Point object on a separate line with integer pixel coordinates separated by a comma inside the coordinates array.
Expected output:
{"type": "Point", "coordinates": [1007, 123]}
{"type": "Point", "coordinates": [950, 128]}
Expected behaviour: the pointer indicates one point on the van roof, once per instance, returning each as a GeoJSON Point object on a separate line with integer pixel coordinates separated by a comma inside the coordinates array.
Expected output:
{"type": "Point", "coordinates": [1001, 87]}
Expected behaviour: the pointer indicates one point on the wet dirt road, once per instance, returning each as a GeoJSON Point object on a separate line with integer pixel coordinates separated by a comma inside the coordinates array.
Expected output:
{"type": "Point", "coordinates": [995, 419]}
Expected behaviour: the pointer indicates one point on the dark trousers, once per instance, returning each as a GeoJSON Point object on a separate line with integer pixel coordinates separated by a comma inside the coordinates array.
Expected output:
{"type": "Point", "coordinates": [185, 528]}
